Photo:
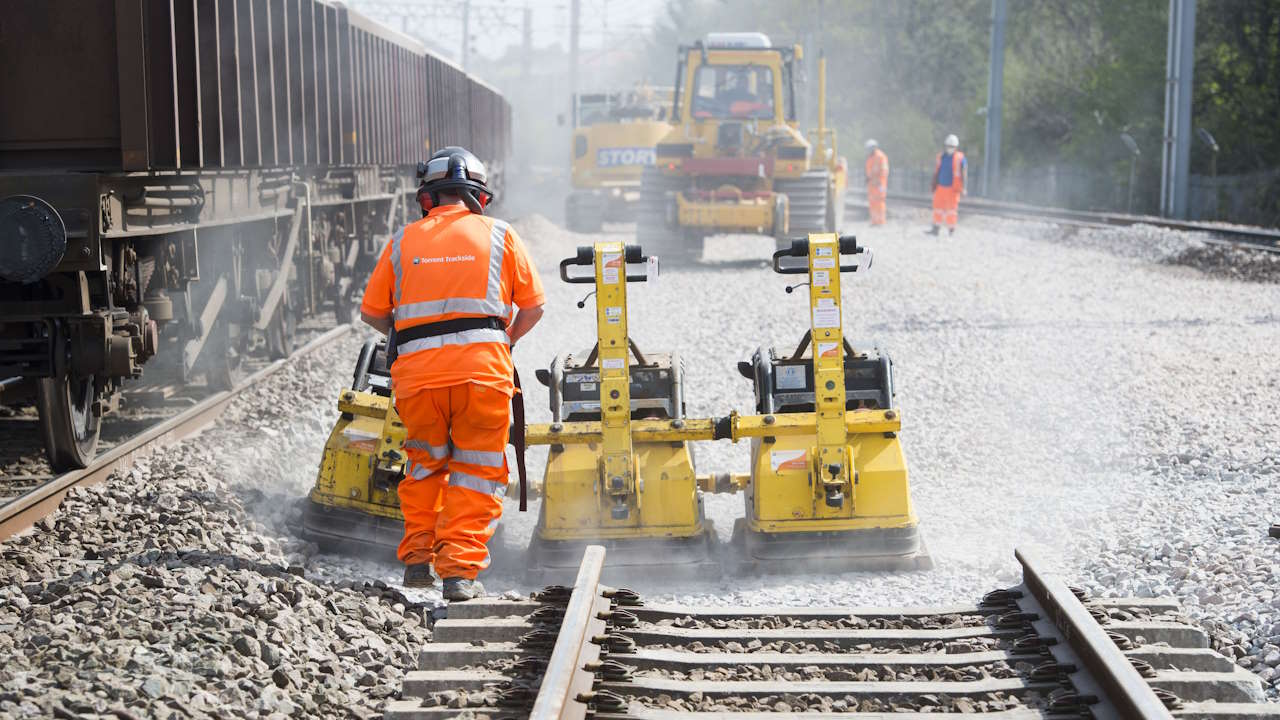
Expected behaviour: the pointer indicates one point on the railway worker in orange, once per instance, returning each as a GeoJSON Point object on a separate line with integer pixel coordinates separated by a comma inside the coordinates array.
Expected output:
{"type": "Point", "coordinates": [950, 176]}
{"type": "Point", "coordinates": [445, 289]}
{"type": "Point", "coordinates": [877, 181]}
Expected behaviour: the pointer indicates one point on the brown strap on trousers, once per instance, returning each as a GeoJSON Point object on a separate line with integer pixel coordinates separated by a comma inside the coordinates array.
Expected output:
{"type": "Point", "coordinates": [517, 439]}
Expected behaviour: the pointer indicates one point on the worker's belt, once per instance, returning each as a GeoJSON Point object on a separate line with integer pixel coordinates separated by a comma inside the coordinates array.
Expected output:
{"type": "Point", "coordinates": [445, 327]}
{"type": "Point", "coordinates": [417, 332]}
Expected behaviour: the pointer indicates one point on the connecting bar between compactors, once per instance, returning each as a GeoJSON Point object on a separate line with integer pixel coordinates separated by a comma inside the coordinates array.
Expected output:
{"type": "Point", "coordinates": [731, 427]}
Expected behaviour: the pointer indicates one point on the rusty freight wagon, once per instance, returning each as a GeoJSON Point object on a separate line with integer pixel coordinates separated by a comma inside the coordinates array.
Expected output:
{"type": "Point", "coordinates": [183, 181]}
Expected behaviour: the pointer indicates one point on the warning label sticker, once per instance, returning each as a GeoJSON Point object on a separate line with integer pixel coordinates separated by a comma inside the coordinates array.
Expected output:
{"type": "Point", "coordinates": [613, 363]}
{"type": "Point", "coordinates": [822, 278]}
{"type": "Point", "coordinates": [828, 350]}
{"type": "Point", "coordinates": [822, 251]}
{"type": "Point", "coordinates": [826, 314]}
{"type": "Point", "coordinates": [613, 314]}
{"type": "Point", "coordinates": [784, 460]}
{"type": "Point", "coordinates": [828, 263]}
{"type": "Point", "coordinates": [612, 266]}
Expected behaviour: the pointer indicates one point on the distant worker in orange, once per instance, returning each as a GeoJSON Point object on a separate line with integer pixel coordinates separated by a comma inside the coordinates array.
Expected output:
{"type": "Point", "coordinates": [877, 181]}
{"type": "Point", "coordinates": [445, 288]}
{"type": "Point", "coordinates": [950, 176]}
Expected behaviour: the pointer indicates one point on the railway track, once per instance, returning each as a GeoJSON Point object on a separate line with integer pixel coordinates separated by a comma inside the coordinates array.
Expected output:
{"type": "Point", "coordinates": [23, 509]}
{"type": "Point", "coordinates": [1254, 237]}
{"type": "Point", "coordinates": [1037, 650]}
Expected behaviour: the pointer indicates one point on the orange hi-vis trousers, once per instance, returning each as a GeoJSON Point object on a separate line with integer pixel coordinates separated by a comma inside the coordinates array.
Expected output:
{"type": "Point", "coordinates": [946, 204]}
{"type": "Point", "coordinates": [876, 194]}
{"type": "Point", "coordinates": [455, 477]}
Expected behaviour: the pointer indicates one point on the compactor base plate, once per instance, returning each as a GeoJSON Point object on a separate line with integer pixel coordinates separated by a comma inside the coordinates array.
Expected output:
{"type": "Point", "coordinates": [887, 549]}
{"type": "Point", "coordinates": [348, 531]}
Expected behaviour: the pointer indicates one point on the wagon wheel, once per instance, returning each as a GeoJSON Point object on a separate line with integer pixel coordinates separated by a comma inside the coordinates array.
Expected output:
{"type": "Point", "coordinates": [67, 421]}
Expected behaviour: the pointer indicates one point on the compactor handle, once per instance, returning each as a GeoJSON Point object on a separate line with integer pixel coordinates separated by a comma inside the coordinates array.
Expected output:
{"type": "Point", "coordinates": [800, 248]}
{"type": "Point", "coordinates": [585, 257]}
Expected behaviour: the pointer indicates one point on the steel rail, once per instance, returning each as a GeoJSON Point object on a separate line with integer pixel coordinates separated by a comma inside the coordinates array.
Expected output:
{"type": "Point", "coordinates": [1255, 237]}
{"type": "Point", "coordinates": [565, 674]}
{"type": "Point", "coordinates": [27, 509]}
{"type": "Point", "coordinates": [1124, 688]}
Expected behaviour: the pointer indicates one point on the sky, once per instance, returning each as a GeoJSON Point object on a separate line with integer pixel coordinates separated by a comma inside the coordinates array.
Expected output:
{"type": "Point", "coordinates": [497, 24]}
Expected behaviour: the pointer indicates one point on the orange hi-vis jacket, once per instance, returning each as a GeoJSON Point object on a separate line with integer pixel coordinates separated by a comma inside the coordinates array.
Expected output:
{"type": "Point", "coordinates": [453, 264]}
{"type": "Point", "coordinates": [957, 170]}
{"type": "Point", "coordinates": [877, 168]}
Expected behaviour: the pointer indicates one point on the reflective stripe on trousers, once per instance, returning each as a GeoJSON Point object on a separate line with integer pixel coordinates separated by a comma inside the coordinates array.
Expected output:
{"type": "Point", "coordinates": [487, 458]}
{"type": "Point", "coordinates": [496, 488]}
{"type": "Point", "coordinates": [439, 452]}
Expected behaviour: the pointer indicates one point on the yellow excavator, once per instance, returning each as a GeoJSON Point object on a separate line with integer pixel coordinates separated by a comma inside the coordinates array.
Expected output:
{"type": "Point", "coordinates": [736, 160]}
{"type": "Point", "coordinates": [613, 138]}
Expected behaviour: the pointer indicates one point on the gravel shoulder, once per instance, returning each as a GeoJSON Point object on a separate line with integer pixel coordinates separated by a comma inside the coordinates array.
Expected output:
{"type": "Point", "coordinates": [173, 592]}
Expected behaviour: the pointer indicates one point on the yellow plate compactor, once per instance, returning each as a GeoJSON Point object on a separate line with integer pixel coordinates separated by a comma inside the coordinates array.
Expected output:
{"type": "Point", "coordinates": [606, 482]}
{"type": "Point", "coordinates": [828, 487]}
{"type": "Point", "coordinates": [353, 505]}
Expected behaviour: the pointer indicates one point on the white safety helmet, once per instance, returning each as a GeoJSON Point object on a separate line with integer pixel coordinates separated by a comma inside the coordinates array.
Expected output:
{"type": "Point", "coordinates": [871, 144]}
{"type": "Point", "coordinates": [952, 142]}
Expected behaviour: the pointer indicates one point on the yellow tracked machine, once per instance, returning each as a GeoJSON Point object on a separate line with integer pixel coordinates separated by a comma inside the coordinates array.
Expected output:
{"type": "Point", "coordinates": [736, 160]}
{"type": "Point", "coordinates": [613, 138]}
{"type": "Point", "coordinates": [605, 482]}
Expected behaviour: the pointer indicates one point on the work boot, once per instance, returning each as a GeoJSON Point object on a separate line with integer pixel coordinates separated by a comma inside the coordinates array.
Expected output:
{"type": "Point", "coordinates": [418, 575]}
{"type": "Point", "coordinates": [459, 589]}
{"type": "Point", "coordinates": [933, 231]}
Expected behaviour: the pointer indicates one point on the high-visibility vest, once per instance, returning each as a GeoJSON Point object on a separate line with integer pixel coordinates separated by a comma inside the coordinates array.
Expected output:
{"type": "Point", "coordinates": [877, 167]}
{"type": "Point", "coordinates": [957, 160]}
{"type": "Point", "coordinates": [437, 281]}
{"type": "Point", "coordinates": [453, 264]}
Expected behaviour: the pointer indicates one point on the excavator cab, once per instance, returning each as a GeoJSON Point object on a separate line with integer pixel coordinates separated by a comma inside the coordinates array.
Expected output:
{"type": "Point", "coordinates": [736, 160]}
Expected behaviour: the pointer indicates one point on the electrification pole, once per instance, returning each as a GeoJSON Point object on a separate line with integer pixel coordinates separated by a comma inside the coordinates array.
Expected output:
{"type": "Point", "coordinates": [1179, 67]}
{"type": "Point", "coordinates": [995, 101]}
{"type": "Point", "coordinates": [575, 9]}
{"type": "Point", "coordinates": [466, 34]}
{"type": "Point", "coordinates": [526, 95]}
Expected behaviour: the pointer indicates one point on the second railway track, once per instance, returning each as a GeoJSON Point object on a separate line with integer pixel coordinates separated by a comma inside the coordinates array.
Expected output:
{"type": "Point", "coordinates": [1036, 650]}
{"type": "Point", "coordinates": [1240, 235]}
{"type": "Point", "coordinates": [23, 509]}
